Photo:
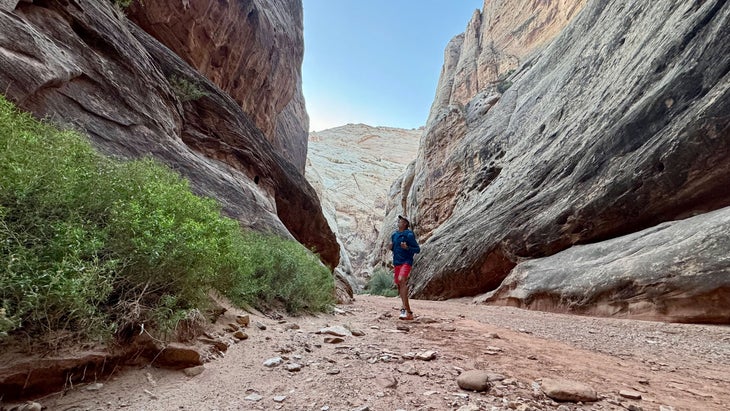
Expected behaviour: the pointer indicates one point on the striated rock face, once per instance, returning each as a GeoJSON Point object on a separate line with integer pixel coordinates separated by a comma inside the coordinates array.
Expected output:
{"type": "Point", "coordinates": [477, 65]}
{"type": "Point", "coordinates": [350, 166]}
{"type": "Point", "coordinates": [251, 49]}
{"type": "Point", "coordinates": [497, 40]}
{"type": "Point", "coordinates": [86, 65]}
{"type": "Point", "coordinates": [619, 124]}
{"type": "Point", "coordinates": [675, 271]}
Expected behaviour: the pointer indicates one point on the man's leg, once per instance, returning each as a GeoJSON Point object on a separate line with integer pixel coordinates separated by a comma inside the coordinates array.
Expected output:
{"type": "Point", "coordinates": [403, 289]}
{"type": "Point", "coordinates": [397, 280]}
{"type": "Point", "coordinates": [403, 292]}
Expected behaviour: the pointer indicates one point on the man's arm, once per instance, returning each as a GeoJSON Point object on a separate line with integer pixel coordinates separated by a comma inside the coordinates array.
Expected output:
{"type": "Point", "coordinates": [413, 244]}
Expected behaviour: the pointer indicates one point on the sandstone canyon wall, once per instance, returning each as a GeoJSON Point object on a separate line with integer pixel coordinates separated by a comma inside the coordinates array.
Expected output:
{"type": "Point", "coordinates": [618, 125]}
{"type": "Point", "coordinates": [84, 64]}
{"type": "Point", "coordinates": [351, 166]}
{"type": "Point", "coordinates": [251, 49]}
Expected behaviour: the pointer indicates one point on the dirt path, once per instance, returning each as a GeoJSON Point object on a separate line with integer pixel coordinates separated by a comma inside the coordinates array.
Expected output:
{"type": "Point", "coordinates": [686, 367]}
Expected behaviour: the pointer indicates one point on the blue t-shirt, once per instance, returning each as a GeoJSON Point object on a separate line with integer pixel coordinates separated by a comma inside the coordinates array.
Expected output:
{"type": "Point", "coordinates": [401, 256]}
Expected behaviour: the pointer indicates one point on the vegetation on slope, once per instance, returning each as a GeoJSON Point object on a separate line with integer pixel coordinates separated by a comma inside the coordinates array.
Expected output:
{"type": "Point", "coordinates": [92, 246]}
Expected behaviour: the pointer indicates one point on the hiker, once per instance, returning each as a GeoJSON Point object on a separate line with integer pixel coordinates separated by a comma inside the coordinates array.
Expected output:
{"type": "Point", "coordinates": [404, 246]}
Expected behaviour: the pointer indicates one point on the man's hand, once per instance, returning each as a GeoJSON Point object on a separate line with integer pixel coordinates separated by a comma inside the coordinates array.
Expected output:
{"type": "Point", "coordinates": [403, 245]}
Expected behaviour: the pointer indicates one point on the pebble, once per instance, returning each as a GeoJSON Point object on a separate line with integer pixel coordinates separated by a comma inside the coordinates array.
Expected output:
{"type": "Point", "coordinates": [253, 397]}
{"type": "Point", "coordinates": [279, 398]}
{"type": "Point", "coordinates": [273, 362]}
{"type": "Point", "coordinates": [293, 367]}
{"type": "Point", "coordinates": [243, 320]}
{"type": "Point", "coordinates": [240, 335]}
{"type": "Point", "coordinates": [28, 406]}
{"type": "Point", "coordinates": [333, 340]}
{"type": "Point", "coordinates": [260, 325]}
{"type": "Point", "coordinates": [630, 394]}
{"type": "Point", "coordinates": [567, 390]}
{"type": "Point", "coordinates": [386, 381]}
{"type": "Point", "coordinates": [474, 380]}
{"type": "Point", "coordinates": [94, 387]}
{"type": "Point", "coordinates": [193, 371]}
{"type": "Point", "coordinates": [496, 377]}
{"type": "Point", "coordinates": [426, 355]}
{"type": "Point", "coordinates": [337, 331]}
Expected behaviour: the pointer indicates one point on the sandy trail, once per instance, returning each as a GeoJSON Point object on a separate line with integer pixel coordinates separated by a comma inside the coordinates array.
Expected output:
{"type": "Point", "coordinates": [686, 367]}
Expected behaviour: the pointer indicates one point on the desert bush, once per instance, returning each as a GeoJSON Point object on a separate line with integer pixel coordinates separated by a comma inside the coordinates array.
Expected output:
{"type": "Point", "coordinates": [92, 246]}
{"type": "Point", "coordinates": [186, 90]}
{"type": "Point", "coordinates": [272, 271]}
{"type": "Point", "coordinates": [381, 283]}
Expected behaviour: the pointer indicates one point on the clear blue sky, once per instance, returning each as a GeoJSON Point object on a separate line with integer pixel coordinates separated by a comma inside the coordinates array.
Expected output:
{"type": "Point", "coordinates": [376, 61]}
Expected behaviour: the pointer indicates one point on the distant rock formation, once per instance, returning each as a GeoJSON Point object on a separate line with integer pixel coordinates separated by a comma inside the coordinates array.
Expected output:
{"type": "Point", "coordinates": [251, 49]}
{"type": "Point", "coordinates": [619, 124]}
{"type": "Point", "coordinates": [84, 64]}
{"type": "Point", "coordinates": [350, 166]}
{"type": "Point", "coordinates": [496, 41]}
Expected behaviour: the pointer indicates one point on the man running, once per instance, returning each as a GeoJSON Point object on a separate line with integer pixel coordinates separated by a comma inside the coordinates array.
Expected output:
{"type": "Point", "coordinates": [404, 246]}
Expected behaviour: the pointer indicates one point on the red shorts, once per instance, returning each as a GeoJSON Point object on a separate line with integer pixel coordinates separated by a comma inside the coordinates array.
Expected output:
{"type": "Point", "coordinates": [401, 272]}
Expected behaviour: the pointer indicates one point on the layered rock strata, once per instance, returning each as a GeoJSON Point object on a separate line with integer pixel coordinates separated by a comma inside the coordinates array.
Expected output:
{"type": "Point", "coordinates": [251, 49]}
{"type": "Point", "coordinates": [676, 271]}
{"type": "Point", "coordinates": [85, 65]}
{"type": "Point", "coordinates": [619, 124]}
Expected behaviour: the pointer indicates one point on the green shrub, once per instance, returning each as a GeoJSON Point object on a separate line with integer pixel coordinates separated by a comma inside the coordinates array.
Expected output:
{"type": "Point", "coordinates": [186, 90]}
{"type": "Point", "coordinates": [91, 246]}
{"type": "Point", "coordinates": [277, 271]}
{"type": "Point", "coordinates": [381, 283]}
{"type": "Point", "coordinates": [122, 4]}
{"type": "Point", "coordinates": [503, 84]}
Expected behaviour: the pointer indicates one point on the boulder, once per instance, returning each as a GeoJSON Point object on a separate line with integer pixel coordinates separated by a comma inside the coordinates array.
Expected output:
{"type": "Point", "coordinates": [676, 271]}
{"type": "Point", "coordinates": [194, 371]}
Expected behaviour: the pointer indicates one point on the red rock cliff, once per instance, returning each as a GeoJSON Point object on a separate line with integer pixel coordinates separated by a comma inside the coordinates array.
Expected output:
{"type": "Point", "coordinates": [251, 49]}
{"type": "Point", "coordinates": [84, 64]}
